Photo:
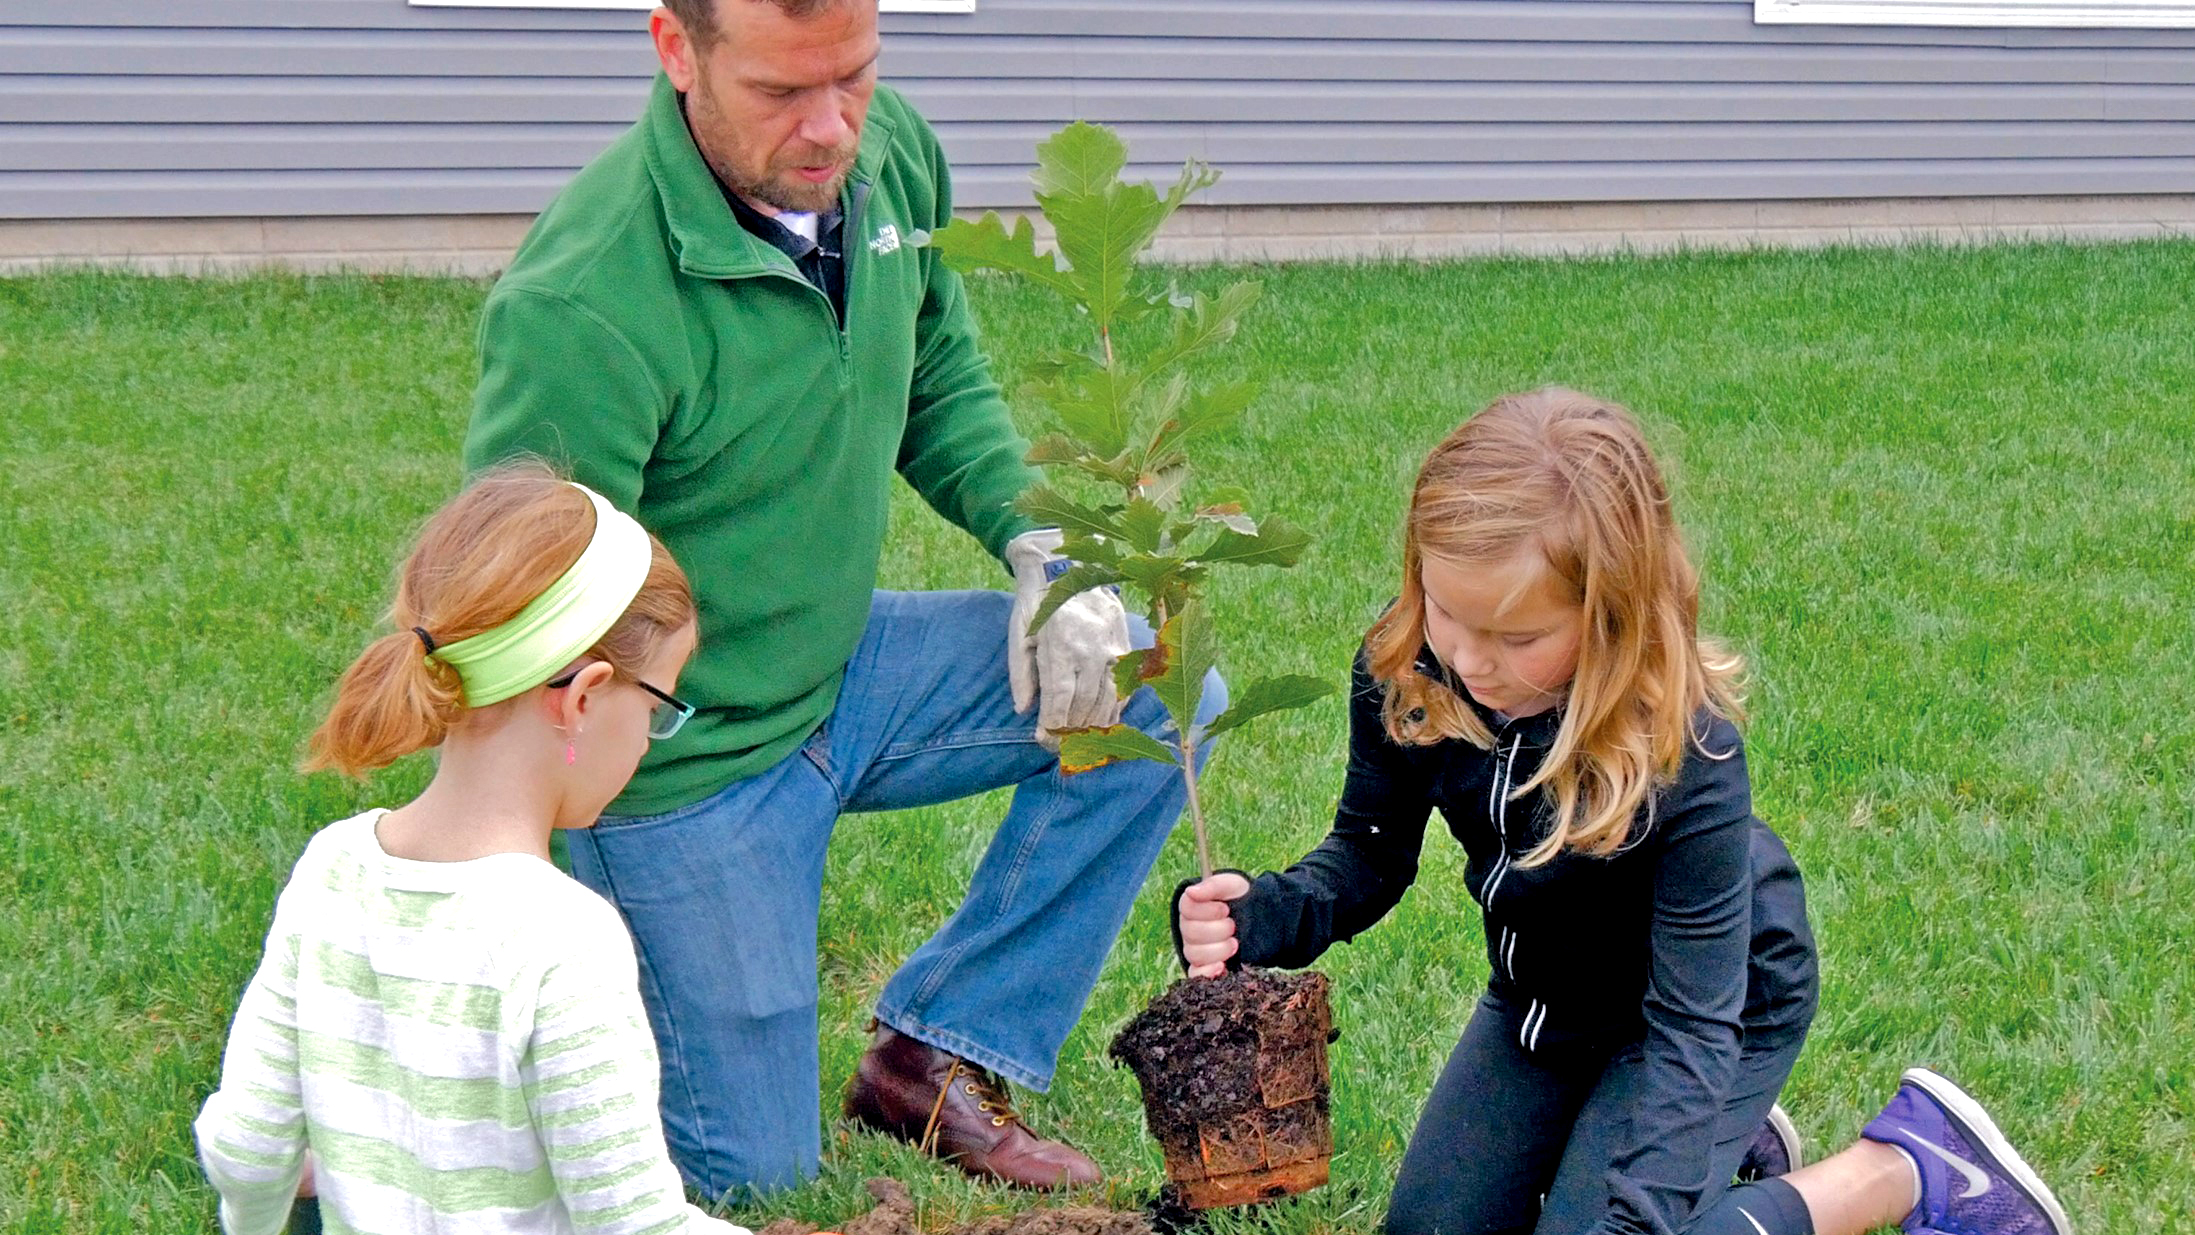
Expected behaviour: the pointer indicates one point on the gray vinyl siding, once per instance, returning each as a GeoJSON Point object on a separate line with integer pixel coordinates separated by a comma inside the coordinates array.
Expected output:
{"type": "Point", "coordinates": [193, 108]}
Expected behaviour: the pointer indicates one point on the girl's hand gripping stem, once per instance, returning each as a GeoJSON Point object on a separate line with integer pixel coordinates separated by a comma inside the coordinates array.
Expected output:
{"type": "Point", "coordinates": [1207, 928]}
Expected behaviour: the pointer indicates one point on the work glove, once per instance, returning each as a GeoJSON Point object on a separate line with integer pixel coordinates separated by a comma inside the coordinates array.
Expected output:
{"type": "Point", "coordinates": [1067, 665]}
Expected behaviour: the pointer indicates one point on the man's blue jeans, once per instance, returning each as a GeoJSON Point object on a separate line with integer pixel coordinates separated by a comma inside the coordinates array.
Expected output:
{"type": "Point", "coordinates": [722, 895]}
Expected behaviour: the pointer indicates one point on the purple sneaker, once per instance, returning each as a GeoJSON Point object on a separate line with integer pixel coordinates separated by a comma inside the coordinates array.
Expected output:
{"type": "Point", "coordinates": [1972, 1181]}
{"type": "Point", "coordinates": [1774, 1151]}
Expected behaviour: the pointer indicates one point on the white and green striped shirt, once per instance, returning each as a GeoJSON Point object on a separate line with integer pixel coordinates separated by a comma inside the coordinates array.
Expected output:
{"type": "Point", "coordinates": [460, 1044]}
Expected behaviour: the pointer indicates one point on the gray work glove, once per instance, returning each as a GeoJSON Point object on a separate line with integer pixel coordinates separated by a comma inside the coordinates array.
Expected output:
{"type": "Point", "coordinates": [1067, 666]}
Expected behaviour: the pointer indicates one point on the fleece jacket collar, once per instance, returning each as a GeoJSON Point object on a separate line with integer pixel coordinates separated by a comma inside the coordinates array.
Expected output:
{"type": "Point", "coordinates": [707, 240]}
{"type": "Point", "coordinates": [1535, 732]}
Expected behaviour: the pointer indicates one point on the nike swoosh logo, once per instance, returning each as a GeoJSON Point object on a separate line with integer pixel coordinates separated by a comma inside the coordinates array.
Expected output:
{"type": "Point", "coordinates": [1976, 1182]}
{"type": "Point", "coordinates": [1755, 1221]}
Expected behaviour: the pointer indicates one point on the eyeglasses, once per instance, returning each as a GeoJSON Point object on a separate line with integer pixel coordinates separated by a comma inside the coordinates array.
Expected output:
{"type": "Point", "coordinates": [665, 719]}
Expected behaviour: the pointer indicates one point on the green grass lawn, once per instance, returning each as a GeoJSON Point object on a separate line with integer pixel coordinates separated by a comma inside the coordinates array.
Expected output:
{"type": "Point", "coordinates": [1945, 500]}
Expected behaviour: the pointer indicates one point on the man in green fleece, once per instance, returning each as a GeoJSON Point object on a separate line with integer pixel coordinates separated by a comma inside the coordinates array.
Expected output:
{"type": "Point", "coordinates": [722, 326]}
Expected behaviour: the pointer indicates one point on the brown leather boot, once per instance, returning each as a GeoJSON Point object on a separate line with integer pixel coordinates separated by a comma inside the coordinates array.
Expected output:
{"type": "Point", "coordinates": [951, 1109]}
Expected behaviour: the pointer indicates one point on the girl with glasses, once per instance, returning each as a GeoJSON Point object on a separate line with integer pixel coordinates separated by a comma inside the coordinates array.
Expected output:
{"type": "Point", "coordinates": [446, 1031]}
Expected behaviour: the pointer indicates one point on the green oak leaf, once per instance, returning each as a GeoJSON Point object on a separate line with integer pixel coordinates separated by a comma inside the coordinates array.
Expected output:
{"type": "Point", "coordinates": [1083, 750]}
{"type": "Point", "coordinates": [1079, 578]}
{"type": "Point", "coordinates": [1061, 450]}
{"type": "Point", "coordinates": [1200, 413]}
{"type": "Point", "coordinates": [1191, 642]}
{"type": "Point", "coordinates": [1163, 487]}
{"type": "Point", "coordinates": [1276, 694]}
{"type": "Point", "coordinates": [1051, 508]}
{"type": "Point", "coordinates": [1277, 543]}
{"type": "Point", "coordinates": [1083, 547]}
{"type": "Point", "coordinates": [1229, 516]}
{"type": "Point", "coordinates": [1100, 223]}
{"type": "Point", "coordinates": [986, 245]}
{"type": "Point", "coordinates": [1144, 525]}
{"type": "Point", "coordinates": [1080, 160]}
{"type": "Point", "coordinates": [1055, 448]}
{"type": "Point", "coordinates": [1162, 576]}
{"type": "Point", "coordinates": [1095, 407]}
{"type": "Point", "coordinates": [1128, 674]}
{"type": "Point", "coordinates": [1208, 323]}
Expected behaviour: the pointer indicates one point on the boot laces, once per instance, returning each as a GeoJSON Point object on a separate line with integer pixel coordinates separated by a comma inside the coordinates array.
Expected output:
{"type": "Point", "coordinates": [989, 1092]}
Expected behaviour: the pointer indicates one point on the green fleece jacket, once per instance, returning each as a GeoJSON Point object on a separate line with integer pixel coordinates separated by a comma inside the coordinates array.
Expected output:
{"type": "Point", "coordinates": [656, 351]}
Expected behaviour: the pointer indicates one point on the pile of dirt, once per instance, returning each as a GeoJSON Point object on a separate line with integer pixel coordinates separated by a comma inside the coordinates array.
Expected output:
{"type": "Point", "coordinates": [895, 1215]}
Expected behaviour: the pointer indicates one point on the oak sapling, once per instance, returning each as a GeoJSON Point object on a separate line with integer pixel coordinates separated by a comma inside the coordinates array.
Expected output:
{"type": "Point", "coordinates": [1126, 420]}
{"type": "Point", "coordinates": [1233, 1070]}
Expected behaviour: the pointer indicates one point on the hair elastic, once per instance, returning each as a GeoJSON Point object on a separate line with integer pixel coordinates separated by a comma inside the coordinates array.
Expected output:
{"type": "Point", "coordinates": [425, 640]}
{"type": "Point", "coordinates": [564, 621]}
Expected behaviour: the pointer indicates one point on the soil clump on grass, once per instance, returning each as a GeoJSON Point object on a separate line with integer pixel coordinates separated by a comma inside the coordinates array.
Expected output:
{"type": "Point", "coordinates": [895, 1215]}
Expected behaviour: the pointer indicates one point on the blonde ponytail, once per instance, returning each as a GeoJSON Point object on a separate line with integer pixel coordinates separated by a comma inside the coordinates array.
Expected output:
{"type": "Point", "coordinates": [391, 702]}
{"type": "Point", "coordinates": [477, 562]}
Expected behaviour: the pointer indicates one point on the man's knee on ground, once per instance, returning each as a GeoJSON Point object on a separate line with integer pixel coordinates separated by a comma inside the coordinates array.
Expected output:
{"type": "Point", "coordinates": [1215, 698]}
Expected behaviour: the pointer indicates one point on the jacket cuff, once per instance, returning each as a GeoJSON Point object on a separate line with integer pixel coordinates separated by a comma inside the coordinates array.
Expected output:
{"type": "Point", "coordinates": [1173, 914]}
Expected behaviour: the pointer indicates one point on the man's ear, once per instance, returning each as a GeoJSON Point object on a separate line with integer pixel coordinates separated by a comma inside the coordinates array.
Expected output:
{"type": "Point", "coordinates": [571, 706]}
{"type": "Point", "coordinates": [674, 48]}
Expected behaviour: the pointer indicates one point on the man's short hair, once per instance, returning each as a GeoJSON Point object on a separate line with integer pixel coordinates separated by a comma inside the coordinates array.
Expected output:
{"type": "Point", "coordinates": [699, 16]}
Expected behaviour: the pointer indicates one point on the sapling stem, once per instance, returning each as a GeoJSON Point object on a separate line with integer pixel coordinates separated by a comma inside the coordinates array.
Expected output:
{"type": "Point", "coordinates": [1196, 808]}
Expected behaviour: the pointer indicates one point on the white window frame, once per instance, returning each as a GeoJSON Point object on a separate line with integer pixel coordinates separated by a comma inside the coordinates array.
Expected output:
{"type": "Point", "coordinates": [2152, 14]}
{"type": "Point", "coordinates": [886, 6]}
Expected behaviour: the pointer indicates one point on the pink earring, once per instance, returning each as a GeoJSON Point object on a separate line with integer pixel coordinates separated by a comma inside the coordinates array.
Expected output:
{"type": "Point", "coordinates": [571, 753]}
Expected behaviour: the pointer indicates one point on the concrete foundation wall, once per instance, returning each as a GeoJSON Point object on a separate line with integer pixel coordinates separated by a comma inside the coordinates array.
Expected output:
{"type": "Point", "coordinates": [480, 244]}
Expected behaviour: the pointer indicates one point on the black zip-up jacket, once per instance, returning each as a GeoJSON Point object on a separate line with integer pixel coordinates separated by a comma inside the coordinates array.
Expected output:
{"type": "Point", "coordinates": [1685, 943]}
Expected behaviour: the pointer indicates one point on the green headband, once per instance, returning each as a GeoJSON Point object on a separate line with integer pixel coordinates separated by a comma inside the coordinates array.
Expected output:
{"type": "Point", "coordinates": [556, 626]}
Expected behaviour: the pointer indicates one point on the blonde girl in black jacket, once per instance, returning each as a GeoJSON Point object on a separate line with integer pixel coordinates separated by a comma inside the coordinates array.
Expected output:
{"type": "Point", "coordinates": [1541, 680]}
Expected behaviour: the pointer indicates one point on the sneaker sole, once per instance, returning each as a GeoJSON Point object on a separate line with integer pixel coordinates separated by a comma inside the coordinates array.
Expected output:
{"type": "Point", "coordinates": [1977, 1126]}
{"type": "Point", "coordinates": [1785, 1131]}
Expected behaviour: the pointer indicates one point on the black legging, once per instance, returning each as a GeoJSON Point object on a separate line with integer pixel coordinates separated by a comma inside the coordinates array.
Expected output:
{"type": "Point", "coordinates": [1511, 1143]}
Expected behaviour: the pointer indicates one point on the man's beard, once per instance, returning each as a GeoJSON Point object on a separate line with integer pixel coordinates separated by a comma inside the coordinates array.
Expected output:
{"type": "Point", "coordinates": [776, 188]}
{"type": "Point", "coordinates": [779, 194]}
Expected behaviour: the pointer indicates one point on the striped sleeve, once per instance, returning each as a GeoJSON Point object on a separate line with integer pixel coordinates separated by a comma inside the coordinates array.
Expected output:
{"type": "Point", "coordinates": [251, 1133]}
{"type": "Point", "coordinates": [591, 1076]}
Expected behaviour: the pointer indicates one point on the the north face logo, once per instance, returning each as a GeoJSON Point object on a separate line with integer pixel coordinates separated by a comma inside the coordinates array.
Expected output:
{"type": "Point", "coordinates": [887, 240]}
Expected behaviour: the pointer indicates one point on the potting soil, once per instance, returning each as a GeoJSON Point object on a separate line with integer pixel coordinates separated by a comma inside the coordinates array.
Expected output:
{"type": "Point", "coordinates": [1219, 1048]}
